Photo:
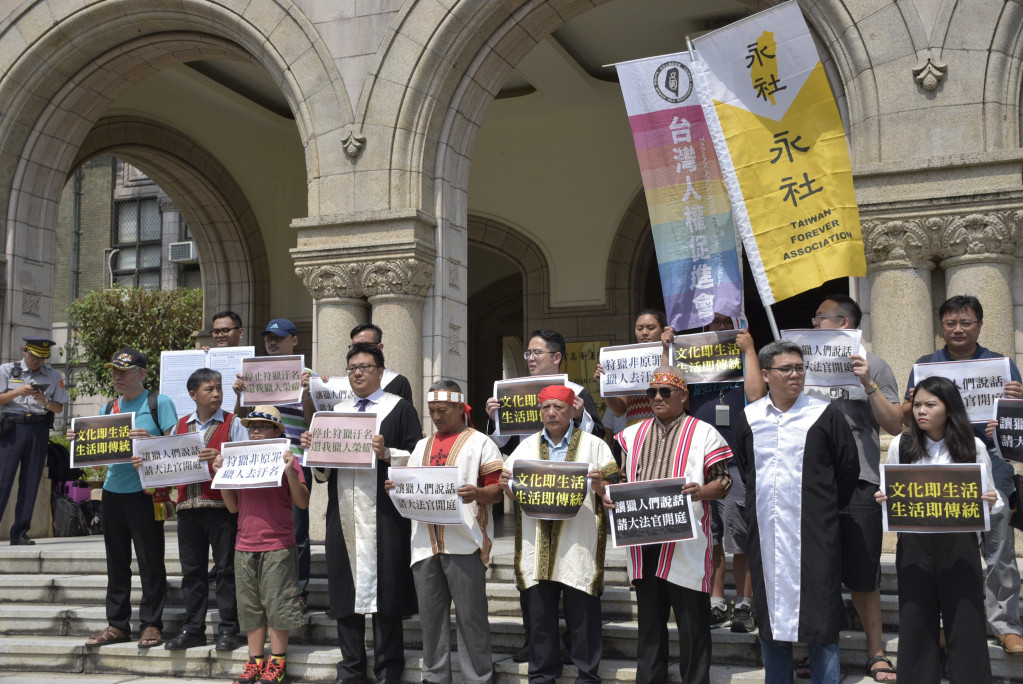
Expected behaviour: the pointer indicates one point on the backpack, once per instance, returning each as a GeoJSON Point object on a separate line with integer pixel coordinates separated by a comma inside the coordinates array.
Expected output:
{"type": "Point", "coordinates": [153, 398]}
{"type": "Point", "coordinates": [68, 520]}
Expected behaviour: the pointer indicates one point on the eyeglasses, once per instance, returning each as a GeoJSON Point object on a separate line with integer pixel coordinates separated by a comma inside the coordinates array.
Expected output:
{"type": "Point", "coordinates": [665, 392]}
{"type": "Point", "coordinates": [820, 317]}
{"type": "Point", "coordinates": [362, 368]}
{"type": "Point", "coordinates": [952, 325]}
{"type": "Point", "coordinates": [223, 331]}
{"type": "Point", "coordinates": [531, 354]}
{"type": "Point", "coordinates": [788, 370]}
{"type": "Point", "coordinates": [261, 427]}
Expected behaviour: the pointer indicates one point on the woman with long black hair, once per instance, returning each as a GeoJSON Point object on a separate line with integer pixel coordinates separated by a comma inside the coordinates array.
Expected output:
{"type": "Point", "coordinates": [940, 581]}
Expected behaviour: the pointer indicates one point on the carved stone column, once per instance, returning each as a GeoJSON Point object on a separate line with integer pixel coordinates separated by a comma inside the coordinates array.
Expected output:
{"type": "Point", "coordinates": [977, 256]}
{"type": "Point", "coordinates": [338, 306]}
{"type": "Point", "coordinates": [898, 267]}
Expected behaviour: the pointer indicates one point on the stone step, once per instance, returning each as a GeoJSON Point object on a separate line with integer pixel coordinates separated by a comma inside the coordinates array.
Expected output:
{"type": "Point", "coordinates": [25, 660]}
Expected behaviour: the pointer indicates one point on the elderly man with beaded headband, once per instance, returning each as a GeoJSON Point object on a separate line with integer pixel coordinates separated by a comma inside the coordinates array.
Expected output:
{"type": "Point", "coordinates": [367, 540]}
{"type": "Point", "coordinates": [675, 575]}
{"type": "Point", "coordinates": [563, 557]}
{"type": "Point", "coordinates": [449, 562]}
{"type": "Point", "coordinates": [31, 392]}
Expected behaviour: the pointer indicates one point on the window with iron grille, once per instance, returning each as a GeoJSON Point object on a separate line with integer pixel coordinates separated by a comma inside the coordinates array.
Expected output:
{"type": "Point", "coordinates": [138, 233]}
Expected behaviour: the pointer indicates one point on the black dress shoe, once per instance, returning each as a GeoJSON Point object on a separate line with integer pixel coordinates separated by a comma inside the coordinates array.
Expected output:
{"type": "Point", "coordinates": [23, 540]}
{"type": "Point", "coordinates": [522, 654]}
{"type": "Point", "coordinates": [185, 640]}
{"type": "Point", "coordinates": [228, 641]}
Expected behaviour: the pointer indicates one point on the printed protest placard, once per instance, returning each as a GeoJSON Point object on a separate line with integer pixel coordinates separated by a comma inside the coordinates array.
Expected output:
{"type": "Point", "coordinates": [273, 380]}
{"type": "Point", "coordinates": [177, 366]}
{"type": "Point", "coordinates": [341, 440]}
{"type": "Point", "coordinates": [650, 512]}
{"type": "Point", "coordinates": [101, 440]}
{"type": "Point", "coordinates": [934, 498]}
{"type": "Point", "coordinates": [980, 381]}
{"type": "Point", "coordinates": [826, 355]}
{"type": "Point", "coordinates": [627, 368]}
{"type": "Point", "coordinates": [427, 493]}
{"type": "Point", "coordinates": [550, 490]}
{"type": "Point", "coordinates": [251, 464]}
{"type": "Point", "coordinates": [327, 395]}
{"type": "Point", "coordinates": [518, 410]}
{"type": "Point", "coordinates": [1009, 433]}
{"type": "Point", "coordinates": [708, 357]}
{"type": "Point", "coordinates": [172, 460]}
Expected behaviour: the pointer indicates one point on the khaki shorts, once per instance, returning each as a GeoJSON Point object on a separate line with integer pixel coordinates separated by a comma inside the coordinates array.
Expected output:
{"type": "Point", "coordinates": [266, 587]}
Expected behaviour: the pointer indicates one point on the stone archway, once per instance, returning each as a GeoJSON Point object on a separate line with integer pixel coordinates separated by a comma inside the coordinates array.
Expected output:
{"type": "Point", "coordinates": [65, 70]}
{"type": "Point", "coordinates": [231, 249]}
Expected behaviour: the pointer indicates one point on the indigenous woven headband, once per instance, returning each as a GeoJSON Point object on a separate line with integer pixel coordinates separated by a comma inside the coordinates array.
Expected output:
{"type": "Point", "coordinates": [455, 397]}
{"type": "Point", "coordinates": [668, 379]}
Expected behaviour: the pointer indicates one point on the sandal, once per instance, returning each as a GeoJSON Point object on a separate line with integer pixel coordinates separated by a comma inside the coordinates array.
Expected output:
{"type": "Point", "coordinates": [151, 636]}
{"type": "Point", "coordinates": [802, 668]}
{"type": "Point", "coordinates": [881, 670]}
{"type": "Point", "coordinates": [110, 635]}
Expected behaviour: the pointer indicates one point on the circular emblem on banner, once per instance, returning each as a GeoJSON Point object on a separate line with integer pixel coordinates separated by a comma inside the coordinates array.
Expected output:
{"type": "Point", "coordinates": [673, 82]}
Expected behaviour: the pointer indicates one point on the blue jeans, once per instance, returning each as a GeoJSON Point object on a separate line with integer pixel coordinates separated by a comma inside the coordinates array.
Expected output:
{"type": "Point", "coordinates": [824, 664]}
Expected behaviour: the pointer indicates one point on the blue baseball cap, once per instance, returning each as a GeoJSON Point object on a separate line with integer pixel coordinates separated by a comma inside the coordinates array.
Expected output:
{"type": "Point", "coordinates": [280, 327]}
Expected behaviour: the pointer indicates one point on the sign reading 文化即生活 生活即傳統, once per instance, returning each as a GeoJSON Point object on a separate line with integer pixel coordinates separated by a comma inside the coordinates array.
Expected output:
{"type": "Point", "coordinates": [102, 440]}
{"type": "Point", "coordinates": [650, 512]}
{"type": "Point", "coordinates": [518, 403]}
{"type": "Point", "coordinates": [549, 490]}
{"type": "Point", "coordinates": [708, 357]}
{"type": "Point", "coordinates": [981, 382]}
{"type": "Point", "coordinates": [427, 493]}
{"type": "Point", "coordinates": [171, 460]}
{"type": "Point", "coordinates": [341, 440]}
{"type": "Point", "coordinates": [251, 464]}
{"type": "Point", "coordinates": [272, 380]}
{"type": "Point", "coordinates": [934, 498]}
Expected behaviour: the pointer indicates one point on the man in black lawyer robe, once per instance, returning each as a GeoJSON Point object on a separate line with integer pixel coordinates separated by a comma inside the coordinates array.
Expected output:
{"type": "Point", "coordinates": [368, 545]}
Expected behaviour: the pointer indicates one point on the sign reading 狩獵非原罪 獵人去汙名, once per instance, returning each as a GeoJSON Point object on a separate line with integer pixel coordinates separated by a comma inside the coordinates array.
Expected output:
{"type": "Point", "coordinates": [341, 440]}
{"type": "Point", "coordinates": [251, 464]}
{"type": "Point", "coordinates": [427, 494]}
{"type": "Point", "coordinates": [171, 460]}
{"type": "Point", "coordinates": [650, 512]}
{"type": "Point", "coordinates": [627, 368]}
{"type": "Point", "coordinates": [934, 498]}
{"type": "Point", "coordinates": [272, 380]}
{"type": "Point", "coordinates": [708, 357]}
{"type": "Point", "coordinates": [102, 440]}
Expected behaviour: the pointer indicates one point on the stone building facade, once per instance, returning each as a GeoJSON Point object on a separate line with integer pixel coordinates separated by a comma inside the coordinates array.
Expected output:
{"type": "Point", "coordinates": [461, 171]}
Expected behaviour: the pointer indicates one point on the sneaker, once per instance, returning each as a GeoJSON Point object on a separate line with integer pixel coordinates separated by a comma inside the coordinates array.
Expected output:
{"type": "Point", "coordinates": [719, 616]}
{"type": "Point", "coordinates": [742, 620]}
{"type": "Point", "coordinates": [273, 671]}
{"type": "Point", "coordinates": [252, 672]}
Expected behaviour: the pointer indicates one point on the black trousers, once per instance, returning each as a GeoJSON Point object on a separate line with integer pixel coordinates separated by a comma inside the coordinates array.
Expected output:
{"type": "Point", "coordinates": [582, 617]}
{"type": "Point", "coordinates": [199, 530]}
{"type": "Point", "coordinates": [128, 520]}
{"type": "Point", "coordinates": [301, 517]}
{"type": "Point", "coordinates": [939, 577]}
{"type": "Point", "coordinates": [24, 447]}
{"type": "Point", "coordinates": [388, 648]}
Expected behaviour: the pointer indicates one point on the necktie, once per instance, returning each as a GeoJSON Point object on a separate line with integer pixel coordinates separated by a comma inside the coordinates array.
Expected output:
{"type": "Point", "coordinates": [361, 404]}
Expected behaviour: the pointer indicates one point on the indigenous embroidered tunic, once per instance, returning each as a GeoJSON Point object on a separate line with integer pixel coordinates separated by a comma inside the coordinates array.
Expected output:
{"type": "Point", "coordinates": [567, 551]}
{"type": "Point", "coordinates": [689, 448]}
{"type": "Point", "coordinates": [477, 458]}
{"type": "Point", "coordinates": [799, 466]}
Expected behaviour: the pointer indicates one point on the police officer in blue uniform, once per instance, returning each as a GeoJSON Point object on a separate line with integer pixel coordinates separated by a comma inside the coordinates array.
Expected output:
{"type": "Point", "coordinates": [31, 392]}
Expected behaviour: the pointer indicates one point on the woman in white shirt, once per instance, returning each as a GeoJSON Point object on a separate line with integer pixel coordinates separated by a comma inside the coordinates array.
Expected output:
{"type": "Point", "coordinates": [940, 581]}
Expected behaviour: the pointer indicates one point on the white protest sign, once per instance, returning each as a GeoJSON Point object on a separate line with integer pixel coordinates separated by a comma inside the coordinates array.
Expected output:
{"type": "Point", "coordinates": [327, 395]}
{"type": "Point", "coordinates": [826, 353]}
{"type": "Point", "coordinates": [177, 366]}
{"type": "Point", "coordinates": [228, 362]}
{"type": "Point", "coordinates": [172, 460]}
{"type": "Point", "coordinates": [427, 493]}
{"type": "Point", "coordinates": [980, 381]}
{"type": "Point", "coordinates": [627, 368]}
{"type": "Point", "coordinates": [251, 464]}
{"type": "Point", "coordinates": [341, 440]}
{"type": "Point", "coordinates": [272, 380]}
